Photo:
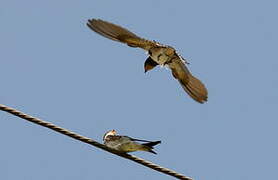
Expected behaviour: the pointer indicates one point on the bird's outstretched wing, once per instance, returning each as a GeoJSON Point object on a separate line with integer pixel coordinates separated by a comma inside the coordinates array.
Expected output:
{"type": "Point", "coordinates": [193, 86]}
{"type": "Point", "coordinates": [120, 34]}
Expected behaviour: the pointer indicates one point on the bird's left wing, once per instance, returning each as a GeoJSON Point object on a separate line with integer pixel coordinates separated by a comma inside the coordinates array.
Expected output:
{"type": "Point", "coordinates": [193, 86]}
{"type": "Point", "coordinates": [120, 34]}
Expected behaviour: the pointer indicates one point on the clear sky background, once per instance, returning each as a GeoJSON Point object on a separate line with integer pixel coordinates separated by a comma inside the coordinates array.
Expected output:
{"type": "Point", "coordinates": [55, 68]}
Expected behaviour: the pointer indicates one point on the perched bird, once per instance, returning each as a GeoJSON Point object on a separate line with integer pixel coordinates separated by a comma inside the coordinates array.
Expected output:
{"type": "Point", "coordinates": [158, 55]}
{"type": "Point", "coordinates": [127, 144]}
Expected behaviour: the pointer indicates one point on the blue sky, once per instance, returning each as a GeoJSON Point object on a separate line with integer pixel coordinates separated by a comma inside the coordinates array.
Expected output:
{"type": "Point", "coordinates": [55, 68]}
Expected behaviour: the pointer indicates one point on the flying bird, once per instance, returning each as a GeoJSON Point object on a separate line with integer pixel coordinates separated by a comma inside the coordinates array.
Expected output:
{"type": "Point", "coordinates": [158, 55]}
{"type": "Point", "coordinates": [127, 144]}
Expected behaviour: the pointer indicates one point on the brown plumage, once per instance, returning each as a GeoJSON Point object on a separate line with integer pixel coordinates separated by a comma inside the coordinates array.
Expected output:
{"type": "Point", "coordinates": [159, 55]}
{"type": "Point", "coordinates": [193, 86]}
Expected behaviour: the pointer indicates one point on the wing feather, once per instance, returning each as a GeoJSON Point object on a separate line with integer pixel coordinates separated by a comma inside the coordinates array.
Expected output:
{"type": "Point", "coordinates": [193, 86]}
{"type": "Point", "coordinates": [118, 33]}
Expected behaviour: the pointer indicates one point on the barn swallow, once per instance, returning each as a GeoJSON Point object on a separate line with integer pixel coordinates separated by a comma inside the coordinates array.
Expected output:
{"type": "Point", "coordinates": [158, 55]}
{"type": "Point", "coordinates": [127, 144]}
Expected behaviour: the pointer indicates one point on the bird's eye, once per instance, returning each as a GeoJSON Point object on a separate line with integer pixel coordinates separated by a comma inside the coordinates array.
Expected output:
{"type": "Point", "coordinates": [150, 53]}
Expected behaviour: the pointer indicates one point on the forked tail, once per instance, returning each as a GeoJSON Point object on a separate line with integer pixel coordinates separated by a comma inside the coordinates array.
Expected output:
{"type": "Point", "coordinates": [149, 146]}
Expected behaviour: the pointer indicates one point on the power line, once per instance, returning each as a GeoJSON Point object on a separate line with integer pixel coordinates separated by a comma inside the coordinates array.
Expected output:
{"type": "Point", "coordinates": [92, 142]}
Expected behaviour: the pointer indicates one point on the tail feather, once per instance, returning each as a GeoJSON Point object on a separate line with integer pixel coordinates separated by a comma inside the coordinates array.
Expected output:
{"type": "Point", "coordinates": [149, 146]}
{"type": "Point", "coordinates": [151, 151]}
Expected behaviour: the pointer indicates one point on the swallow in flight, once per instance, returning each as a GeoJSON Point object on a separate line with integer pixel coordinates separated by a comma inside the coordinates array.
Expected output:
{"type": "Point", "coordinates": [158, 55]}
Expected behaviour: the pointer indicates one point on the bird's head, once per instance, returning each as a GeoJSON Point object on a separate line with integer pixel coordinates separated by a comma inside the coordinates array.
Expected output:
{"type": "Point", "coordinates": [109, 133]}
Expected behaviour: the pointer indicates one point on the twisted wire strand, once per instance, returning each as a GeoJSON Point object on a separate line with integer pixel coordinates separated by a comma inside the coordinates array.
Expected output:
{"type": "Point", "coordinates": [92, 142]}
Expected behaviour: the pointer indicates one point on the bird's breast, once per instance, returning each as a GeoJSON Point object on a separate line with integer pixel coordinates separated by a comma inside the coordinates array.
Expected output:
{"type": "Point", "coordinates": [161, 55]}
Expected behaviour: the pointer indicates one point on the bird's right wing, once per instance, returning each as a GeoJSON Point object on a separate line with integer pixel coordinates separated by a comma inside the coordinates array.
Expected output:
{"type": "Point", "coordinates": [120, 34]}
